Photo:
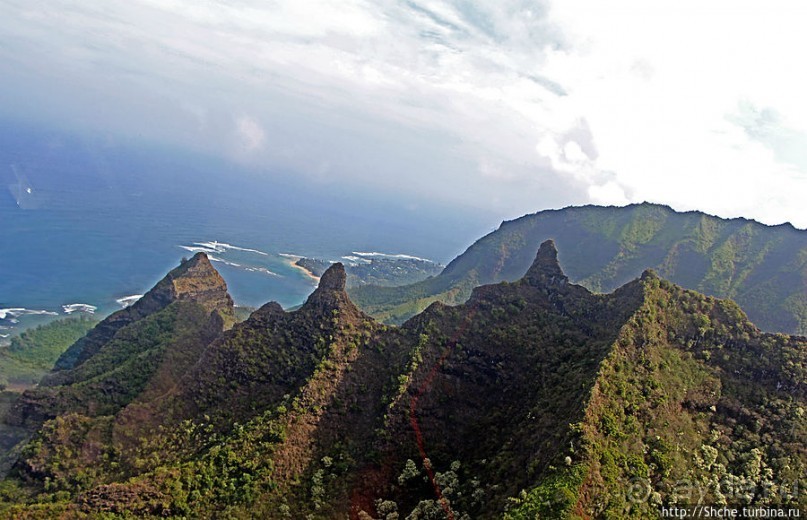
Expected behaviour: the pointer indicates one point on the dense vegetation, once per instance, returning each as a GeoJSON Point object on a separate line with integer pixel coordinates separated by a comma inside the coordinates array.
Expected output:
{"type": "Point", "coordinates": [137, 357]}
{"type": "Point", "coordinates": [194, 279]}
{"type": "Point", "coordinates": [535, 399]}
{"type": "Point", "coordinates": [762, 268]}
{"type": "Point", "coordinates": [33, 352]}
{"type": "Point", "coordinates": [128, 352]}
{"type": "Point", "coordinates": [695, 405]}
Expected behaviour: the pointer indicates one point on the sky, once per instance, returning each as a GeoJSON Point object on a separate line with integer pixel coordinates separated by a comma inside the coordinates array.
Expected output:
{"type": "Point", "coordinates": [504, 107]}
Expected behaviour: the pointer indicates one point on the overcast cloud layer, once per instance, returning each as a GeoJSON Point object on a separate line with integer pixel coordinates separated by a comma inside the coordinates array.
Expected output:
{"type": "Point", "coordinates": [509, 106]}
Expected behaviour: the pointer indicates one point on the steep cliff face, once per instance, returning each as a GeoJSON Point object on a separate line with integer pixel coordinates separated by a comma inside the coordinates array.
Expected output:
{"type": "Point", "coordinates": [535, 398]}
{"type": "Point", "coordinates": [269, 355]}
{"type": "Point", "coordinates": [693, 405]}
{"type": "Point", "coordinates": [194, 280]}
{"type": "Point", "coordinates": [116, 360]}
{"type": "Point", "coordinates": [484, 404]}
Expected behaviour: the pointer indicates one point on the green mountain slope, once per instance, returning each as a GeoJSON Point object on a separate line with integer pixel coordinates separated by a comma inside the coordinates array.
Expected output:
{"type": "Point", "coordinates": [194, 280]}
{"type": "Point", "coordinates": [762, 268]}
{"type": "Point", "coordinates": [693, 405]}
{"type": "Point", "coordinates": [116, 360]}
{"type": "Point", "coordinates": [535, 399]}
{"type": "Point", "coordinates": [33, 353]}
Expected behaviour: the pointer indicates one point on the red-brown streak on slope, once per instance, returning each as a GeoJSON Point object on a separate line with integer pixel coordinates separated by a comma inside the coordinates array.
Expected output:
{"type": "Point", "coordinates": [582, 494]}
{"type": "Point", "coordinates": [413, 410]}
{"type": "Point", "coordinates": [373, 478]}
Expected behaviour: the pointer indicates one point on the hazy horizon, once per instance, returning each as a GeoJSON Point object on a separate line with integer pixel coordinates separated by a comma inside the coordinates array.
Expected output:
{"type": "Point", "coordinates": [494, 109]}
{"type": "Point", "coordinates": [128, 129]}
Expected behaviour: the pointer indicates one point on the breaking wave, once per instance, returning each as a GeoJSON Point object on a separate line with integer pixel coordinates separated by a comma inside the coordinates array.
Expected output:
{"type": "Point", "coordinates": [79, 307]}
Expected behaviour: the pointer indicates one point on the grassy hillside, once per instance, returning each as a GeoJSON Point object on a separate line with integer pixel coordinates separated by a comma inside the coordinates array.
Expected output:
{"type": "Point", "coordinates": [762, 268]}
{"type": "Point", "coordinates": [34, 352]}
{"type": "Point", "coordinates": [152, 343]}
{"type": "Point", "coordinates": [166, 341]}
{"type": "Point", "coordinates": [194, 279]}
{"type": "Point", "coordinates": [693, 404]}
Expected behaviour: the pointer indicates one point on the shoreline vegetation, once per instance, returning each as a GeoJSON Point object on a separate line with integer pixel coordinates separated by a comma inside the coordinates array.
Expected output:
{"type": "Point", "coordinates": [33, 352]}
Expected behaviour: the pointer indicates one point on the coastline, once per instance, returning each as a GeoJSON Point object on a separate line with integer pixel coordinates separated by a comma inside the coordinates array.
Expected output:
{"type": "Point", "coordinates": [291, 260]}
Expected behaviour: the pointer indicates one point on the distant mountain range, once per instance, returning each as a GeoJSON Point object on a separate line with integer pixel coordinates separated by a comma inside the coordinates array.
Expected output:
{"type": "Point", "coordinates": [534, 399]}
{"type": "Point", "coordinates": [762, 268]}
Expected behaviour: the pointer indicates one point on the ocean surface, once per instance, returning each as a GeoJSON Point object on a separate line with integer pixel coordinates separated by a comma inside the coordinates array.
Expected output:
{"type": "Point", "coordinates": [87, 226]}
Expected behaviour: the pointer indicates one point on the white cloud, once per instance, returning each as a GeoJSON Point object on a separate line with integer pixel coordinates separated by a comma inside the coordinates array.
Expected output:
{"type": "Point", "coordinates": [512, 105]}
{"type": "Point", "coordinates": [251, 135]}
{"type": "Point", "coordinates": [608, 194]}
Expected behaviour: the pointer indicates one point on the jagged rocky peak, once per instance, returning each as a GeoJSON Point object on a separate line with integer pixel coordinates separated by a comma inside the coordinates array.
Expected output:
{"type": "Point", "coordinates": [649, 274]}
{"type": "Point", "coordinates": [545, 269]}
{"type": "Point", "coordinates": [334, 278]}
{"type": "Point", "coordinates": [195, 279]}
{"type": "Point", "coordinates": [198, 262]}
{"type": "Point", "coordinates": [331, 293]}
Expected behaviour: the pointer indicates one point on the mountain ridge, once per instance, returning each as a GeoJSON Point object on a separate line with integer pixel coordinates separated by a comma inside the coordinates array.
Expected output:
{"type": "Point", "coordinates": [194, 279]}
{"type": "Point", "coordinates": [764, 268]}
{"type": "Point", "coordinates": [535, 397]}
{"type": "Point", "coordinates": [189, 304]}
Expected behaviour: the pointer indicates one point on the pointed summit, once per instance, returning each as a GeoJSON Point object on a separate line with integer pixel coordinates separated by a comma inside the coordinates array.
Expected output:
{"type": "Point", "coordinates": [331, 289]}
{"type": "Point", "coordinates": [545, 269]}
{"type": "Point", "coordinates": [331, 293]}
{"type": "Point", "coordinates": [199, 261]}
{"type": "Point", "coordinates": [649, 274]}
{"type": "Point", "coordinates": [194, 280]}
{"type": "Point", "coordinates": [334, 278]}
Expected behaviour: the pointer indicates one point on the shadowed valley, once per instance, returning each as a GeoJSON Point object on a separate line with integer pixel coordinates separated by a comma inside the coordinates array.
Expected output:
{"type": "Point", "coordinates": [534, 398]}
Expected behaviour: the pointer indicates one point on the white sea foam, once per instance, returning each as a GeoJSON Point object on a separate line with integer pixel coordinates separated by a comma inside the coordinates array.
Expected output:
{"type": "Point", "coordinates": [220, 247]}
{"type": "Point", "coordinates": [246, 249]}
{"type": "Point", "coordinates": [79, 307]}
{"type": "Point", "coordinates": [213, 247]}
{"type": "Point", "coordinates": [260, 270]}
{"type": "Point", "coordinates": [388, 255]}
{"type": "Point", "coordinates": [225, 262]}
{"type": "Point", "coordinates": [216, 247]}
{"type": "Point", "coordinates": [4, 336]}
{"type": "Point", "coordinates": [356, 259]}
{"type": "Point", "coordinates": [290, 255]}
{"type": "Point", "coordinates": [128, 300]}
{"type": "Point", "coordinates": [195, 249]}
{"type": "Point", "coordinates": [16, 312]}
{"type": "Point", "coordinates": [215, 250]}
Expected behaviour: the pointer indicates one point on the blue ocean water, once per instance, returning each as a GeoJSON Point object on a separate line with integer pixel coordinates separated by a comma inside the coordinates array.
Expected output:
{"type": "Point", "coordinates": [87, 223]}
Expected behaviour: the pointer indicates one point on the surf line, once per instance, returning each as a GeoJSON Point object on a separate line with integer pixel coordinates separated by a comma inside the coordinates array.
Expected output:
{"type": "Point", "coordinates": [413, 419]}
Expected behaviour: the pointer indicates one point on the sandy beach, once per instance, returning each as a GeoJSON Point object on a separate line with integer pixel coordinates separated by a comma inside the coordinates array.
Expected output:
{"type": "Point", "coordinates": [292, 261]}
